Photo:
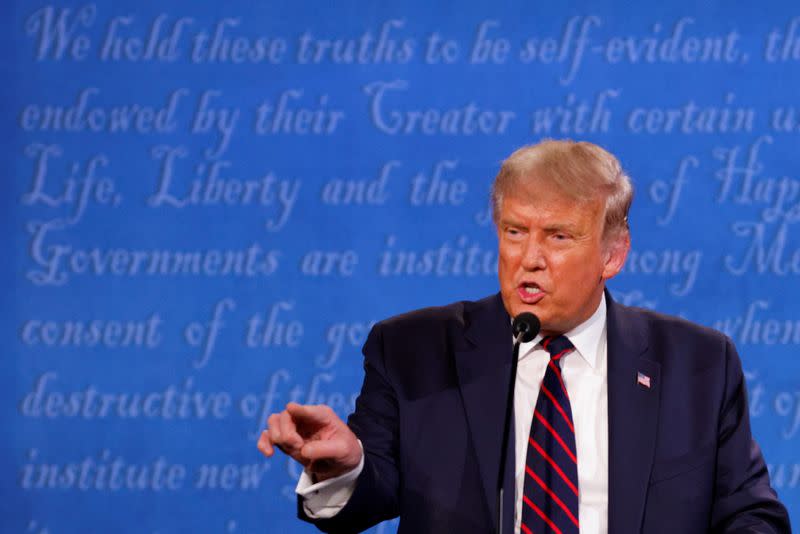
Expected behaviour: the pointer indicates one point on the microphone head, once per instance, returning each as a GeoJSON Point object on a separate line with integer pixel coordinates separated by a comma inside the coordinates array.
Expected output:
{"type": "Point", "coordinates": [525, 326]}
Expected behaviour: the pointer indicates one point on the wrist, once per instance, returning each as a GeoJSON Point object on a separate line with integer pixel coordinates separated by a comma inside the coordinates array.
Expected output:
{"type": "Point", "coordinates": [322, 470]}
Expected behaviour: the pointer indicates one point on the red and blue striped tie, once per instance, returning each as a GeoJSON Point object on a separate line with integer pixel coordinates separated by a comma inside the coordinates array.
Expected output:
{"type": "Point", "coordinates": [550, 492]}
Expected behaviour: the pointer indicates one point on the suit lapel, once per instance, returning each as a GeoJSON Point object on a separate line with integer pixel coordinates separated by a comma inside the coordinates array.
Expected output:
{"type": "Point", "coordinates": [483, 366]}
{"type": "Point", "coordinates": [632, 418]}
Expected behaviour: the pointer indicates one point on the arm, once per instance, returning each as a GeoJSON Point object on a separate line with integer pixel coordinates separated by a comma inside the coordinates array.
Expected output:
{"type": "Point", "coordinates": [375, 422]}
{"type": "Point", "coordinates": [744, 500]}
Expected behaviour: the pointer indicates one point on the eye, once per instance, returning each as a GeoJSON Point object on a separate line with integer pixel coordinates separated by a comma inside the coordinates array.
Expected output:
{"type": "Point", "coordinates": [513, 232]}
{"type": "Point", "coordinates": [560, 236]}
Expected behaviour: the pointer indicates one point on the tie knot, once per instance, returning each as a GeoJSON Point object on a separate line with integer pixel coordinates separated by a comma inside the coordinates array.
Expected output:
{"type": "Point", "coordinates": [557, 346]}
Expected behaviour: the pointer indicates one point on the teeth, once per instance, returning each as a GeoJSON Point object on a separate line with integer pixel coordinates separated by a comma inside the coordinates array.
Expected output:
{"type": "Point", "coordinates": [532, 289]}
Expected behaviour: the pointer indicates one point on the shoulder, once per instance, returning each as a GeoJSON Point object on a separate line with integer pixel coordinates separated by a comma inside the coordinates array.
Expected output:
{"type": "Point", "coordinates": [428, 337]}
{"type": "Point", "coordinates": [656, 323]}
{"type": "Point", "coordinates": [674, 341]}
{"type": "Point", "coordinates": [449, 318]}
{"type": "Point", "coordinates": [429, 317]}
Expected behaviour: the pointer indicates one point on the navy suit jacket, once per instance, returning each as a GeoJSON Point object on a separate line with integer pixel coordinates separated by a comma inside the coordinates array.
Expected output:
{"type": "Point", "coordinates": [430, 416]}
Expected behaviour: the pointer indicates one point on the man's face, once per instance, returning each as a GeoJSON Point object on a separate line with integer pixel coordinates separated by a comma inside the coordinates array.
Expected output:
{"type": "Point", "coordinates": [553, 260]}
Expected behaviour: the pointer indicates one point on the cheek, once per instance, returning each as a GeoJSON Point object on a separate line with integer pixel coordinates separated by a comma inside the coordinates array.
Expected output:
{"type": "Point", "coordinates": [508, 259]}
{"type": "Point", "coordinates": [576, 271]}
{"type": "Point", "coordinates": [591, 275]}
{"type": "Point", "coordinates": [505, 272]}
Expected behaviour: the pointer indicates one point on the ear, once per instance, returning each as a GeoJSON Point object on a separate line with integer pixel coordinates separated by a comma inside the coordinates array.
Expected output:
{"type": "Point", "coordinates": [615, 254]}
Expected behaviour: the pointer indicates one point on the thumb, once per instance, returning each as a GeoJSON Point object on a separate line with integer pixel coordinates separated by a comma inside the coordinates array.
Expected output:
{"type": "Point", "coordinates": [321, 450]}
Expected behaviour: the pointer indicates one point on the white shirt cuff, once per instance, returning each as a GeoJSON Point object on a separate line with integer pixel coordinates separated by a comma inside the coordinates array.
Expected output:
{"type": "Point", "coordinates": [325, 499]}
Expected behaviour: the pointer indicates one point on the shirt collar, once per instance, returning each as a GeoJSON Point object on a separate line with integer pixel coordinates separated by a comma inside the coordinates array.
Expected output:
{"type": "Point", "coordinates": [585, 337]}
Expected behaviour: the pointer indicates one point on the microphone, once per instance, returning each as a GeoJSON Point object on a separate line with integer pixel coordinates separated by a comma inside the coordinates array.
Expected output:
{"type": "Point", "coordinates": [525, 327]}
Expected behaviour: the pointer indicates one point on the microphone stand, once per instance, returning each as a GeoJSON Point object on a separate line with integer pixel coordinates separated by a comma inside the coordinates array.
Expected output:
{"type": "Point", "coordinates": [506, 430]}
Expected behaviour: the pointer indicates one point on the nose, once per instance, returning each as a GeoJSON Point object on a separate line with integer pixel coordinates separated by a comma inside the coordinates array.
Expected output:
{"type": "Point", "coordinates": [533, 255]}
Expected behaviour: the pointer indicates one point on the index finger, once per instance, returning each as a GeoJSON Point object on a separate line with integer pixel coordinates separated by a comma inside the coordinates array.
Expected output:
{"type": "Point", "coordinates": [310, 413]}
{"type": "Point", "coordinates": [265, 445]}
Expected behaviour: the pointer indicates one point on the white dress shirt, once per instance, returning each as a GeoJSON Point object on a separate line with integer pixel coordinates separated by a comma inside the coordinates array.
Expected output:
{"type": "Point", "coordinates": [584, 375]}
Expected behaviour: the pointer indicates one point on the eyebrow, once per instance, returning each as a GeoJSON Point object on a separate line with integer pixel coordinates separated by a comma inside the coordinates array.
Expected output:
{"type": "Point", "coordinates": [560, 227]}
{"type": "Point", "coordinates": [511, 222]}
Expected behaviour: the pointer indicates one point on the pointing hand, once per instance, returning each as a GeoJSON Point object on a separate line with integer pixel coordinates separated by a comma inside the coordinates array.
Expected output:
{"type": "Point", "coordinates": [314, 436]}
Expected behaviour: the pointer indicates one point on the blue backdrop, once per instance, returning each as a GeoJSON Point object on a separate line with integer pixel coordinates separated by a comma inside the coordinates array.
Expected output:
{"type": "Point", "coordinates": [207, 204]}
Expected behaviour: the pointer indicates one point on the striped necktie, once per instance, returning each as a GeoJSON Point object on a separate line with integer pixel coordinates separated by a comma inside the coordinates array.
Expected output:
{"type": "Point", "coordinates": [550, 492]}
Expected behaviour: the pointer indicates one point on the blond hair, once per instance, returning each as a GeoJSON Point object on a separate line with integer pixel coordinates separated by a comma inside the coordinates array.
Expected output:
{"type": "Point", "coordinates": [581, 170]}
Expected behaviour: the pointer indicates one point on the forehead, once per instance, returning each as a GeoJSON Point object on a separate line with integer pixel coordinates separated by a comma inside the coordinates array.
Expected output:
{"type": "Point", "coordinates": [552, 206]}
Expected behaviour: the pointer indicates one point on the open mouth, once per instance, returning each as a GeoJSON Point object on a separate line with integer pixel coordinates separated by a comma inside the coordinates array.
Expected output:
{"type": "Point", "coordinates": [530, 292]}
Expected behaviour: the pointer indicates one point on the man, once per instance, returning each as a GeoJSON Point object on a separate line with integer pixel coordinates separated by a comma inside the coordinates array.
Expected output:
{"type": "Point", "coordinates": [624, 420]}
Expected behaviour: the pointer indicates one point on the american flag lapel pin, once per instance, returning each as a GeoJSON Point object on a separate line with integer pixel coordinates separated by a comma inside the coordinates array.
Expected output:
{"type": "Point", "coordinates": [643, 380]}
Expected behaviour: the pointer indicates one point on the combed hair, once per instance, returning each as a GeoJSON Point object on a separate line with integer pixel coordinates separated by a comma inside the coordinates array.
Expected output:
{"type": "Point", "coordinates": [581, 170]}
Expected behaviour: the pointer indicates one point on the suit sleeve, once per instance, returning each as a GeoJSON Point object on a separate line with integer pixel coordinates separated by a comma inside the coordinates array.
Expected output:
{"type": "Point", "coordinates": [375, 422]}
{"type": "Point", "coordinates": [744, 501]}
